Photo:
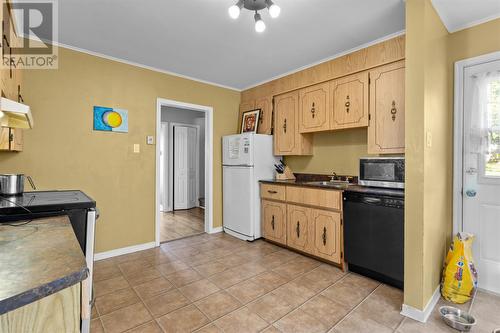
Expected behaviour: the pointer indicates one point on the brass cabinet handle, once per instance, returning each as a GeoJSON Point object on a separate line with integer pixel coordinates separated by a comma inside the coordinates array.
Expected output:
{"type": "Point", "coordinates": [284, 126]}
{"type": "Point", "coordinates": [297, 229]}
{"type": "Point", "coordinates": [394, 111]}
{"type": "Point", "coordinates": [347, 104]}
{"type": "Point", "coordinates": [324, 236]}
{"type": "Point", "coordinates": [272, 222]}
{"type": "Point", "coordinates": [271, 191]}
{"type": "Point", "coordinates": [313, 110]}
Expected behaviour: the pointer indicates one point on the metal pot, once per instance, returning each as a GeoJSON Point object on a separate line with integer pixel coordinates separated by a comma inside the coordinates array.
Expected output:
{"type": "Point", "coordinates": [13, 184]}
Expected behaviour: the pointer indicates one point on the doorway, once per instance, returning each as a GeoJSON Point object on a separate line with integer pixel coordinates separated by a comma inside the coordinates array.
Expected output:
{"type": "Point", "coordinates": [183, 170]}
{"type": "Point", "coordinates": [477, 162]}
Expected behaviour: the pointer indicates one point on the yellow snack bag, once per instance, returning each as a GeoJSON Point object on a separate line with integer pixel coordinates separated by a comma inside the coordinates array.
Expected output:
{"type": "Point", "coordinates": [459, 278]}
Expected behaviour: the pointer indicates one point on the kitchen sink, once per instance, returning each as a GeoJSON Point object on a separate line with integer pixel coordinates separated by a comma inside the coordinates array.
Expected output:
{"type": "Point", "coordinates": [334, 184]}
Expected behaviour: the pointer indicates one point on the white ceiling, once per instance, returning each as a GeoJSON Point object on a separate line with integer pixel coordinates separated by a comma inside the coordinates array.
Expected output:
{"type": "Point", "coordinates": [460, 14]}
{"type": "Point", "coordinates": [197, 39]}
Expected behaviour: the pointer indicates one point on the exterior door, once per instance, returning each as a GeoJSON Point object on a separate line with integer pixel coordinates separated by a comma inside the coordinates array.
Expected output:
{"type": "Point", "coordinates": [314, 112]}
{"type": "Point", "coordinates": [184, 167]}
{"type": "Point", "coordinates": [349, 99]}
{"type": "Point", "coordinates": [286, 109]}
{"type": "Point", "coordinates": [481, 169]}
{"type": "Point", "coordinates": [386, 131]}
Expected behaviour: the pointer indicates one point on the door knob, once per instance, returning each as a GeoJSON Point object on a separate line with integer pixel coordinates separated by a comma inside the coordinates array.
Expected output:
{"type": "Point", "coordinates": [471, 193]}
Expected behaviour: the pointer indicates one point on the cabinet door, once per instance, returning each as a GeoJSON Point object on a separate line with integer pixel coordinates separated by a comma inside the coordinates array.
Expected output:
{"type": "Point", "coordinates": [16, 139]}
{"type": "Point", "coordinates": [314, 108]}
{"type": "Point", "coordinates": [273, 221]}
{"type": "Point", "coordinates": [349, 98]}
{"type": "Point", "coordinates": [298, 227]}
{"type": "Point", "coordinates": [286, 107]}
{"type": "Point", "coordinates": [327, 234]}
{"type": "Point", "coordinates": [4, 138]}
{"type": "Point", "coordinates": [386, 132]}
{"type": "Point", "coordinates": [244, 106]}
{"type": "Point", "coordinates": [265, 104]}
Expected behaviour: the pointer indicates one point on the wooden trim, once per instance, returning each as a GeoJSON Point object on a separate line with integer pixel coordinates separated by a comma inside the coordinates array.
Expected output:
{"type": "Point", "coordinates": [386, 52]}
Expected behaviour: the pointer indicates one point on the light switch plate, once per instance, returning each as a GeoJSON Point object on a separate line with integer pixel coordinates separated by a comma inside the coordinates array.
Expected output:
{"type": "Point", "coordinates": [150, 140]}
{"type": "Point", "coordinates": [137, 148]}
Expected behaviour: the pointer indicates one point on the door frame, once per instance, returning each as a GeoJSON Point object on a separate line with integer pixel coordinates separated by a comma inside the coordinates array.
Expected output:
{"type": "Point", "coordinates": [458, 132]}
{"type": "Point", "coordinates": [170, 157]}
{"type": "Point", "coordinates": [208, 110]}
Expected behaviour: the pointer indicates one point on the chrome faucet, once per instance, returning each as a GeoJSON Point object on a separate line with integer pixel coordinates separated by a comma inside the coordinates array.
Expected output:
{"type": "Point", "coordinates": [333, 176]}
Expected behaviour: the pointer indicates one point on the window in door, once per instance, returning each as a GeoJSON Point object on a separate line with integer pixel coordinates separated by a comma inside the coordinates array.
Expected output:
{"type": "Point", "coordinates": [492, 153]}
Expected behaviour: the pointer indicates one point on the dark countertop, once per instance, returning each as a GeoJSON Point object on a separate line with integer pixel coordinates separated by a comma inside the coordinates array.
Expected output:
{"type": "Point", "coordinates": [350, 188]}
{"type": "Point", "coordinates": [38, 259]}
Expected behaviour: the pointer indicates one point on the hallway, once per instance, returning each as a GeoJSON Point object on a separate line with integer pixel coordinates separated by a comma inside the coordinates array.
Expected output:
{"type": "Point", "coordinates": [181, 223]}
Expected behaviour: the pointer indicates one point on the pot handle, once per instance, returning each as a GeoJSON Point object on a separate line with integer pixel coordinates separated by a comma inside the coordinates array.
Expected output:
{"type": "Point", "coordinates": [31, 182]}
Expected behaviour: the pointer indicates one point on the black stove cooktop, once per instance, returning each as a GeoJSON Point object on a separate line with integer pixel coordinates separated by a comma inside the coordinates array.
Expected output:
{"type": "Point", "coordinates": [30, 204]}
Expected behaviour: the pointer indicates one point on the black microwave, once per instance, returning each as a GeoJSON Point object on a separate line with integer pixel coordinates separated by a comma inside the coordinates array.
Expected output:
{"type": "Point", "coordinates": [382, 172]}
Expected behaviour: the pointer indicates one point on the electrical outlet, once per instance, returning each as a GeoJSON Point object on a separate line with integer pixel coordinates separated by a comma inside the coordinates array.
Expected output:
{"type": "Point", "coordinates": [150, 140]}
{"type": "Point", "coordinates": [428, 139]}
{"type": "Point", "coordinates": [137, 148]}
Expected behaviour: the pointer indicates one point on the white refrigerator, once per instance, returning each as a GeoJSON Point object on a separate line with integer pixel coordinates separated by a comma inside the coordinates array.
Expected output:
{"type": "Point", "coordinates": [246, 159]}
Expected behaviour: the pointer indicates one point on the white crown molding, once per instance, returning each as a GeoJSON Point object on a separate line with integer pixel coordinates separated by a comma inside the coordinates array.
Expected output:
{"type": "Point", "coordinates": [136, 64]}
{"type": "Point", "coordinates": [123, 250]}
{"type": "Point", "coordinates": [338, 55]}
{"type": "Point", "coordinates": [454, 28]}
{"type": "Point", "coordinates": [473, 23]}
{"type": "Point", "coordinates": [422, 315]}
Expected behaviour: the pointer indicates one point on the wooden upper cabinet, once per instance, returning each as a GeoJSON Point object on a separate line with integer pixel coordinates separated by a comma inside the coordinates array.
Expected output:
{"type": "Point", "coordinates": [386, 132]}
{"type": "Point", "coordinates": [314, 110]}
{"type": "Point", "coordinates": [349, 100]}
{"type": "Point", "coordinates": [11, 139]}
{"type": "Point", "coordinates": [274, 221]}
{"type": "Point", "coordinates": [265, 104]}
{"type": "Point", "coordinates": [327, 231]}
{"type": "Point", "coordinates": [287, 139]}
{"type": "Point", "coordinates": [244, 106]}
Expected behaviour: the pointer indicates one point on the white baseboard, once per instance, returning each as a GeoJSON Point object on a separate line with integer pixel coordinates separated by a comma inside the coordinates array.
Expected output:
{"type": "Point", "coordinates": [123, 250]}
{"type": "Point", "coordinates": [214, 230]}
{"type": "Point", "coordinates": [422, 315]}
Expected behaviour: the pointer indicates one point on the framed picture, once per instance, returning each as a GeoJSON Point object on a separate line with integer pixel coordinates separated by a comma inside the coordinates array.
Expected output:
{"type": "Point", "coordinates": [110, 119]}
{"type": "Point", "coordinates": [250, 121]}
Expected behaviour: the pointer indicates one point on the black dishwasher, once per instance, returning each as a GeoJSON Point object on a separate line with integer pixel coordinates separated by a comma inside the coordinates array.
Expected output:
{"type": "Point", "coordinates": [374, 236]}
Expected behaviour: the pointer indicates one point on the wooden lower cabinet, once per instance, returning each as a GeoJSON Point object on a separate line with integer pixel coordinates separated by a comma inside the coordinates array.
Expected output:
{"type": "Point", "coordinates": [327, 234]}
{"type": "Point", "coordinates": [59, 312]}
{"type": "Point", "coordinates": [312, 227]}
{"type": "Point", "coordinates": [273, 221]}
{"type": "Point", "coordinates": [297, 225]}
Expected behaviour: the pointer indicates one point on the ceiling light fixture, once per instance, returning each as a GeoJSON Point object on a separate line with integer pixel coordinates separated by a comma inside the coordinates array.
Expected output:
{"type": "Point", "coordinates": [255, 6]}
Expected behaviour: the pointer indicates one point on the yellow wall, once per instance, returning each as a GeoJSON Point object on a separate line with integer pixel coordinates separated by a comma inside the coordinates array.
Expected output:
{"type": "Point", "coordinates": [430, 55]}
{"type": "Point", "coordinates": [337, 151]}
{"type": "Point", "coordinates": [63, 152]}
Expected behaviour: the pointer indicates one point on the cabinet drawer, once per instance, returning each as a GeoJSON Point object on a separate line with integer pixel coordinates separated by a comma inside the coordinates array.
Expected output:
{"type": "Point", "coordinates": [314, 197]}
{"type": "Point", "coordinates": [274, 221]}
{"type": "Point", "coordinates": [270, 191]}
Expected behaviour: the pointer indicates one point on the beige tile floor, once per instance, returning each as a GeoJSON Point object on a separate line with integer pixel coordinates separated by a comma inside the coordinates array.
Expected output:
{"type": "Point", "coordinates": [216, 283]}
{"type": "Point", "coordinates": [181, 223]}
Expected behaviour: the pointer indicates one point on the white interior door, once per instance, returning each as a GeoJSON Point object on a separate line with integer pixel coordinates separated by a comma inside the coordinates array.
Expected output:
{"type": "Point", "coordinates": [185, 167]}
{"type": "Point", "coordinates": [192, 165]}
{"type": "Point", "coordinates": [481, 169]}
